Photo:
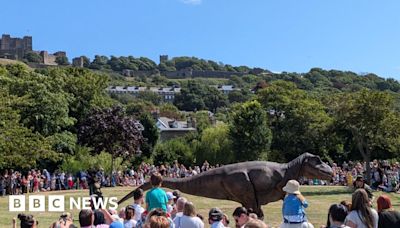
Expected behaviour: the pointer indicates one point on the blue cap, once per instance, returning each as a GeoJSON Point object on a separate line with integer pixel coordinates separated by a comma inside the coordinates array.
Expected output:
{"type": "Point", "coordinates": [116, 224]}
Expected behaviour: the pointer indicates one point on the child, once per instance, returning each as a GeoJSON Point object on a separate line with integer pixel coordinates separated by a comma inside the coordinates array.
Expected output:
{"type": "Point", "coordinates": [138, 197]}
{"type": "Point", "coordinates": [170, 203]}
{"type": "Point", "coordinates": [293, 207]}
{"type": "Point", "coordinates": [156, 197]}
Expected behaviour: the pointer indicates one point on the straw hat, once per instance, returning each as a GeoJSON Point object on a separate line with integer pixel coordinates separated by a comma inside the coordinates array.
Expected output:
{"type": "Point", "coordinates": [292, 187]}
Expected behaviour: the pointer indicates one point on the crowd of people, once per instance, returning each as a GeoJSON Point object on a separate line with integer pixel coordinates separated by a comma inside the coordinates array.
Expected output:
{"type": "Point", "coordinates": [16, 182]}
{"type": "Point", "coordinates": [171, 210]}
{"type": "Point", "coordinates": [385, 176]}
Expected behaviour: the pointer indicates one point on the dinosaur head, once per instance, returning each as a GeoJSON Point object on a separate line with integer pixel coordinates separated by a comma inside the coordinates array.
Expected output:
{"type": "Point", "coordinates": [314, 167]}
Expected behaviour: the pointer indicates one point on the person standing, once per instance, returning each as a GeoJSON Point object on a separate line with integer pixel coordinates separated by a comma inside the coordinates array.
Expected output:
{"type": "Point", "coordinates": [294, 204]}
{"type": "Point", "coordinates": [189, 218]}
{"type": "Point", "coordinates": [138, 197]}
{"type": "Point", "coordinates": [156, 197]}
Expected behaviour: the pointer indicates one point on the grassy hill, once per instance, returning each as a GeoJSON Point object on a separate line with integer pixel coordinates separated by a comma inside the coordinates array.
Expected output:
{"type": "Point", "coordinates": [10, 61]}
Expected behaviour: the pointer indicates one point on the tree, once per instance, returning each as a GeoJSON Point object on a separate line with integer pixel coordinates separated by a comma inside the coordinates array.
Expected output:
{"type": "Point", "coordinates": [299, 123]}
{"type": "Point", "coordinates": [214, 99]}
{"type": "Point", "coordinates": [171, 111]}
{"type": "Point", "coordinates": [62, 60]}
{"type": "Point", "coordinates": [238, 96]}
{"type": "Point", "coordinates": [46, 112]}
{"type": "Point", "coordinates": [171, 150]}
{"type": "Point", "coordinates": [99, 62]}
{"type": "Point", "coordinates": [196, 96]}
{"type": "Point", "coordinates": [112, 131]}
{"type": "Point", "coordinates": [190, 97]}
{"type": "Point", "coordinates": [215, 146]}
{"type": "Point", "coordinates": [150, 134]}
{"type": "Point", "coordinates": [87, 91]}
{"type": "Point", "coordinates": [139, 107]}
{"type": "Point", "coordinates": [33, 57]}
{"type": "Point", "coordinates": [249, 132]}
{"type": "Point", "coordinates": [17, 143]}
{"type": "Point", "coordinates": [150, 96]}
{"type": "Point", "coordinates": [373, 123]}
{"type": "Point", "coordinates": [203, 120]}
{"type": "Point", "coordinates": [46, 107]}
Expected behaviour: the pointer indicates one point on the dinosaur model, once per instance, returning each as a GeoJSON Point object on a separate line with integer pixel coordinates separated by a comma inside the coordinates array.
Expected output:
{"type": "Point", "coordinates": [252, 184]}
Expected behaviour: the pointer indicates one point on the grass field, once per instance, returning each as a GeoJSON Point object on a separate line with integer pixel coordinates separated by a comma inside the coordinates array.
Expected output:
{"type": "Point", "coordinates": [319, 198]}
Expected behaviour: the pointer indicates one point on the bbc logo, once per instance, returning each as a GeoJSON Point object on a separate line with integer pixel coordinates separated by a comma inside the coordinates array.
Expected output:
{"type": "Point", "coordinates": [37, 203]}
{"type": "Point", "coordinates": [56, 203]}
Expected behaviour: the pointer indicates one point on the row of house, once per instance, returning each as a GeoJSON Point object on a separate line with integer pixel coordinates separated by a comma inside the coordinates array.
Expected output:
{"type": "Point", "coordinates": [167, 93]}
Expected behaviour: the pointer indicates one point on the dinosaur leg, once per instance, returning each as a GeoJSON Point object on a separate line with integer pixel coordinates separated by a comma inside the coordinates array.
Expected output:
{"type": "Point", "coordinates": [240, 189]}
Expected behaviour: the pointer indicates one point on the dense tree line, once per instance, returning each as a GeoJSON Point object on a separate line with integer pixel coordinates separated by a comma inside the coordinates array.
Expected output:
{"type": "Point", "coordinates": [62, 118]}
{"type": "Point", "coordinates": [284, 121]}
{"type": "Point", "coordinates": [101, 62]}
{"type": "Point", "coordinates": [43, 111]}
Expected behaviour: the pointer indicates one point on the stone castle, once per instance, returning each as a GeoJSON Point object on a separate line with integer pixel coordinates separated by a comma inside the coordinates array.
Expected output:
{"type": "Point", "coordinates": [17, 48]}
{"type": "Point", "coordinates": [14, 48]}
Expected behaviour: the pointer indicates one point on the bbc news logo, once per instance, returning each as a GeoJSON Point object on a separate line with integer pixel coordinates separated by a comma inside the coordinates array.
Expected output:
{"type": "Point", "coordinates": [56, 203]}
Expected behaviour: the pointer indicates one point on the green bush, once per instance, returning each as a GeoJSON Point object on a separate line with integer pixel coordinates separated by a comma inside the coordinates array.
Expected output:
{"type": "Point", "coordinates": [175, 149]}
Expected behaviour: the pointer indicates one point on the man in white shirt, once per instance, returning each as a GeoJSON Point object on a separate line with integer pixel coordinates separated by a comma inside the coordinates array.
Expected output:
{"type": "Point", "coordinates": [180, 204]}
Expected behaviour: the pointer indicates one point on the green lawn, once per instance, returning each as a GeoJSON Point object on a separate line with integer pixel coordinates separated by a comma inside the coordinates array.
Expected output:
{"type": "Point", "coordinates": [319, 198]}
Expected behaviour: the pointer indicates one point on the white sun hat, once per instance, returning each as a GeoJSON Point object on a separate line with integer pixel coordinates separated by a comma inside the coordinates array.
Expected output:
{"type": "Point", "coordinates": [292, 187]}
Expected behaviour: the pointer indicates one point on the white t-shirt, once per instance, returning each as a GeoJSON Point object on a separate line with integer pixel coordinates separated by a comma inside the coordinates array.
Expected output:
{"type": "Point", "coordinates": [138, 211]}
{"type": "Point", "coordinates": [353, 217]}
{"type": "Point", "coordinates": [188, 222]}
{"type": "Point", "coordinates": [177, 219]}
{"type": "Point", "coordinates": [130, 224]}
{"type": "Point", "coordinates": [169, 208]}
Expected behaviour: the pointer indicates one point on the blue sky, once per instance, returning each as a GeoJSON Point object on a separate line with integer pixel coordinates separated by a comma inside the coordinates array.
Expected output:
{"type": "Point", "coordinates": [279, 35]}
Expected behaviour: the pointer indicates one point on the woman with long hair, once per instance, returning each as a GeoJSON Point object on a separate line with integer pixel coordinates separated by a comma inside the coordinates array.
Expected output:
{"type": "Point", "coordinates": [189, 218]}
{"type": "Point", "coordinates": [361, 215]}
{"type": "Point", "coordinates": [388, 217]}
{"type": "Point", "coordinates": [129, 221]}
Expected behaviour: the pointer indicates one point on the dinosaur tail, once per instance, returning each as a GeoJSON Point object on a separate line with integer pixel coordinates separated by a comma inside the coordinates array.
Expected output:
{"type": "Point", "coordinates": [182, 184]}
{"type": "Point", "coordinates": [144, 187]}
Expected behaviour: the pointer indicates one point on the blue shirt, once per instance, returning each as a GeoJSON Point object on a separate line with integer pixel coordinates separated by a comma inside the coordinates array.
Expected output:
{"type": "Point", "coordinates": [156, 198]}
{"type": "Point", "coordinates": [293, 209]}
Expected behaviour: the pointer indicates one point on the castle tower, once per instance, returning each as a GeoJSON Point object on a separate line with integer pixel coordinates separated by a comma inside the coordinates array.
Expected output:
{"type": "Point", "coordinates": [5, 42]}
{"type": "Point", "coordinates": [163, 58]}
{"type": "Point", "coordinates": [45, 57]}
{"type": "Point", "coordinates": [27, 43]}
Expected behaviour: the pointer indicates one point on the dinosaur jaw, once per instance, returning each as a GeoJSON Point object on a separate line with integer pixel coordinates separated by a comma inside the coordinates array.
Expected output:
{"type": "Point", "coordinates": [320, 172]}
{"type": "Point", "coordinates": [324, 175]}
